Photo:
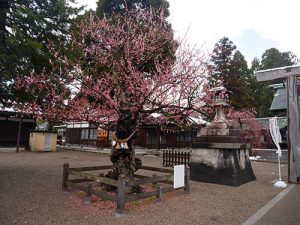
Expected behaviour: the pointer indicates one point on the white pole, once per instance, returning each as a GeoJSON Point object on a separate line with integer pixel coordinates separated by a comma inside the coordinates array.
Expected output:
{"type": "Point", "coordinates": [280, 183]}
{"type": "Point", "coordinates": [279, 168]}
{"type": "Point", "coordinates": [275, 133]}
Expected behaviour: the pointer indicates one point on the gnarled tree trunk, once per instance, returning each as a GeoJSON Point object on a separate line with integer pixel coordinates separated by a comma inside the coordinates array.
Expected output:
{"type": "Point", "coordinates": [123, 154]}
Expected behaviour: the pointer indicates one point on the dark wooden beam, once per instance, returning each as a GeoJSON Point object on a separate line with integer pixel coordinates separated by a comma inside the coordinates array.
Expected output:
{"type": "Point", "coordinates": [91, 168]}
{"type": "Point", "coordinates": [94, 178]}
{"type": "Point", "coordinates": [163, 170]}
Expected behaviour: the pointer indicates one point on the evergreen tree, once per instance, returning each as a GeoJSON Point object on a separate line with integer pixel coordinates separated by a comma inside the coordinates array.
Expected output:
{"type": "Point", "coordinates": [273, 58]}
{"type": "Point", "coordinates": [108, 7]}
{"type": "Point", "coordinates": [263, 94]}
{"type": "Point", "coordinates": [26, 29]}
{"type": "Point", "coordinates": [255, 64]}
{"type": "Point", "coordinates": [230, 66]}
{"type": "Point", "coordinates": [238, 83]}
{"type": "Point", "coordinates": [221, 58]}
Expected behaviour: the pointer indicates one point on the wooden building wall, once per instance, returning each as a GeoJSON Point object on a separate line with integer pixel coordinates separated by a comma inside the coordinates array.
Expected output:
{"type": "Point", "coordinates": [73, 135]}
{"type": "Point", "coordinates": [9, 126]}
{"type": "Point", "coordinates": [151, 137]}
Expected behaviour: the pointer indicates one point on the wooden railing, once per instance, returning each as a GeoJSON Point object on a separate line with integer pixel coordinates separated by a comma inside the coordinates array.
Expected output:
{"type": "Point", "coordinates": [121, 184]}
{"type": "Point", "coordinates": [172, 158]}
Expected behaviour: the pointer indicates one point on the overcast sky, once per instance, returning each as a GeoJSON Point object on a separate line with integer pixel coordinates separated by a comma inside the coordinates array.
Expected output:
{"type": "Point", "coordinates": [253, 25]}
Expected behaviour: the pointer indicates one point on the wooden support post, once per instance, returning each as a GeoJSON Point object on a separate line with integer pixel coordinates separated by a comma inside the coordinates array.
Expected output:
{"type": "Point", "coordinates": [65, 177]}
{"type": "Point", "coordinates": [174, 158]}
{"type": "Point", "coordinates": [187, 180]}
{"type": "Point", "coordinates": [89, 134]}
{"type": "Point", "coordinates": [19, 133]}
{"type": "Point", "coordinates": [182, 158]}
{"type": "Point", "coordinates": [158, 138]}
{"type": "Point", "coordinates": [159, 194]}
{"type": "Point", "coordinates": [88, 195]}
{"type": "Point", "coordinates": [168, 157]}
{"type": "Point", "coordinates": [154, 176]}
{"type": "Point", "coordinates": [121, 196]}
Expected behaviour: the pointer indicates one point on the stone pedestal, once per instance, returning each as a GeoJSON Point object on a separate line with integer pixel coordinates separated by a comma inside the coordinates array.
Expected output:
{"type": "Point", "coordinates": [220, 156]}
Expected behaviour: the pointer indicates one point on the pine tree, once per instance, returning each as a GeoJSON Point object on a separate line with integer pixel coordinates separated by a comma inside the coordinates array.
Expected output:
{"type": "Point", "coordinates": [238, 83]}
{"type": "Point", "coordinates": [108, 7]}
{"type": "Point", "coordinates": [221, 58]}
{"type": "Point", "coordinates": [230, 66]}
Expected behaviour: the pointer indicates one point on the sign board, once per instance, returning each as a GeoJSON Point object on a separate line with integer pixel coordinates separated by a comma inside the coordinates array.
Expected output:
{"type": "Point", "coordinates": [178, 176]}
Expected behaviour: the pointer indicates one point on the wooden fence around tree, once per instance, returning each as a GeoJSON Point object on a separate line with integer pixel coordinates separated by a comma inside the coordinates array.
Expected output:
{"type": "Point", "coordinates": [84, 181]}
{"type": "Point", "coordinates": [172, 158]}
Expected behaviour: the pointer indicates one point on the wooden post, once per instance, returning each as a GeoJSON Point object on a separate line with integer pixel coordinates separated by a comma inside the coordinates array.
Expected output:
{"type": "Point", "coordinates": [175, 158]}
{"type": "Point", "coordinates": [158, 137]}
{"type": "Point", "coordinates": [154, 176]}
{"type": "Point", "coordinates": [19, 133]}
{"type": "Point", "coordinates": [89, 134]}
{"type": "Point", "coordinates": [159, 195]}
{"type": "Point", "coordinates": [182, 158]}
{"type": "Point", "coordinates": [187, 180]}
{"type": "Point", "coordinates": [191, 140]}
{"type": "Point", "coordinates": [88, 194]}
{"type": "Point", "coordinates": [65, 177]}
{"type": "Point", "coordinates": [167, 157]}
{"type": "Point", "coordinates": [121, 196]}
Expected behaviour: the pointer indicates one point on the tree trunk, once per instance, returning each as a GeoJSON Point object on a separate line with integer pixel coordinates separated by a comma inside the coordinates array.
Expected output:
{"type": "Point", "coordinates": [123, 154]}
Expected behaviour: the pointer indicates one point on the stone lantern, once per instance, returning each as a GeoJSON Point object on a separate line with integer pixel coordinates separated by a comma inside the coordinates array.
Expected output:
{"type": "Point", "coordinates": [220, 155]}
{"type": "Point", "coordinates": [219, 124]}
{"type": "Point", "coordinates": [220, 102]}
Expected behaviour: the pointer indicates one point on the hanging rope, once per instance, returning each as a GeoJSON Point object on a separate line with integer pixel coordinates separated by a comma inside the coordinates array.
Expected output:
{"type": "Point", "coordinates": [122, 143]}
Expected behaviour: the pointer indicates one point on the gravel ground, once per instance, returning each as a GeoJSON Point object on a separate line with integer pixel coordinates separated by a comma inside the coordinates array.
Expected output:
{"type": "Point", "coordinates": [30, 193]}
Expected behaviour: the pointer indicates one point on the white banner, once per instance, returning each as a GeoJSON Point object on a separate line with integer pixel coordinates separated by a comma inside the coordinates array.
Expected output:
{"type": "Point", "coordinates": [275, 134]}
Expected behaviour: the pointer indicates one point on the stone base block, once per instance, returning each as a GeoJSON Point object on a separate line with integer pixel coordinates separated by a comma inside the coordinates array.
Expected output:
{"type": "Point", "coordinates": [214, 132]}
{"type": "Point", "coordinates": [221, 166]}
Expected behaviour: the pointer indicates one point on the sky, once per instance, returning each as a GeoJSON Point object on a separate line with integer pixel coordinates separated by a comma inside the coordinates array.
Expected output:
{"type": "Point", "coordinates": [253, 25]}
